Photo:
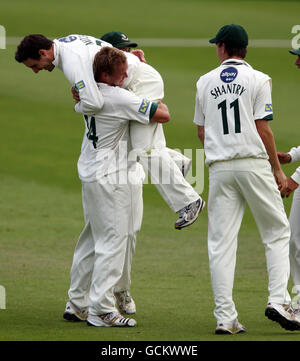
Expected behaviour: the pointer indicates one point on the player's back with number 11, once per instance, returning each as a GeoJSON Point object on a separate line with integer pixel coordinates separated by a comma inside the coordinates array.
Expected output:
{"type": "Point", "coordinates": [229, 94]}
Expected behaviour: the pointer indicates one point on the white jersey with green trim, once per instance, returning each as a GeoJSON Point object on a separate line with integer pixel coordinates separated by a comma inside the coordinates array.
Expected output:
{"type": "Point", "coordinates": [74, 55]}
{"type": "Point", "coordinates": [104, 147]}
{"type": "Point", "coordinates": [228, 101]}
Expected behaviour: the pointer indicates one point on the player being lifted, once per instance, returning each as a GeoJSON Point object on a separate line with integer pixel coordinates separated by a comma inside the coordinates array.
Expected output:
{"type": "Point", "coordinates": [74, 55]}
{"type": "Point", "coordinates": [149, 142]}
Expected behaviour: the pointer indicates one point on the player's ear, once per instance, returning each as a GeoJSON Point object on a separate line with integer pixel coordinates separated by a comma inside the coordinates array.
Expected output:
{"type": "Point", "coordinates": [42, 52]}
{"type": "Point", "coordinates": [104, 78]}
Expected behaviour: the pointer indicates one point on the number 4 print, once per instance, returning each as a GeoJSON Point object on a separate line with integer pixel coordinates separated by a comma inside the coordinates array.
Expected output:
{"type": "Point", "coordinates": [237, 121]}
{"type": "Point", "coordinates": [91, 134]}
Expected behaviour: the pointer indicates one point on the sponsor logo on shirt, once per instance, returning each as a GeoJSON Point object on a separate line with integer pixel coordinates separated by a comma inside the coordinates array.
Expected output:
{"type": "Point", "coordinates": [229, 74]}
{"type": "Point", "coordinates": [79, 85]}
{"type": "Point", "coordinates": [268, 108]}
{"type": "Point", "coordinates": [68, 39]}
{"type": "Point", "coordinates": [144, 106]}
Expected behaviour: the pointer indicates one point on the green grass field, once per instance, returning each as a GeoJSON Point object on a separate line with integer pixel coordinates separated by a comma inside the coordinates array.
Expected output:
{"type": "Point", "coordinates": [40, 193]}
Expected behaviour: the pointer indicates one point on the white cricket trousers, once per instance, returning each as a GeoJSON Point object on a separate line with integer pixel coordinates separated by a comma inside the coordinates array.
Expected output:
{"type": "Point", "coordinates": [103, 254]}
{"type": "Point", "coordinates": [164, 165]}
{"type": "Point", "coordinates": [295, 239]}
{"type": "Point", "coordinates": [231, 184]}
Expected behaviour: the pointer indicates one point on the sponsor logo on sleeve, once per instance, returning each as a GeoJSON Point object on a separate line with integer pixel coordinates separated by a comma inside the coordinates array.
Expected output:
{"type": "Point", "coordinates": [144, 106]}
{"type": "Point", "coordinates": [79, 85]}
{"type": "Point", "coordinates": [268, 108]}
{"type": "Point", "coordinates": [229, 74]}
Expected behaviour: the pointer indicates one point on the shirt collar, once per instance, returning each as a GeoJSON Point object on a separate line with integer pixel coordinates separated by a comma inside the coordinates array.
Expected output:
{"type": "Point", "coordinates": [233, 61]}
{"type": "Point", "coordinates": [56, 60]}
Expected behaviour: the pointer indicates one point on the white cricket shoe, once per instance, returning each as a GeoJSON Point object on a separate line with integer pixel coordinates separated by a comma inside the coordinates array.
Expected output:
{"type": "Point", "coordinates": [112, 319]}
{"type": "Point", "coordinates": [72, 313]}
{"type": "Point", "coordinates": [189, 214]}
{"type": "Point", "coordinates": [125, 302]}
{"type": "Point", "coordinates": [230, 328]}
{"type": "Point", "coordinates": [288, 318]}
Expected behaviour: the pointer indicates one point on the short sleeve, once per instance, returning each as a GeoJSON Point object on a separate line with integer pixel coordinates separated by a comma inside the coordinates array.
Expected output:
{"type": "Point", "coordinates": [130, 107]}
{"type": "Point", "coordinates": [263, 108]}
{"type": "Point", "coordinates": [198, 115]}
{"type": "Point", "coordinates": [77, 66]}
{"type": "Point", "coordinates": [296, 176]}
{"type": "Point", "coordinates": [295, 154]}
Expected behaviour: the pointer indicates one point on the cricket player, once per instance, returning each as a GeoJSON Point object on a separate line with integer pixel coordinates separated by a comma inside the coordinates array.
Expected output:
{"type": "Point", "coordinates": [112, 203]}
{"type": "Point", "coordinates": [293, 185]}
{"type": "Point", "coordinates": [232, 112]}
{"type": "Point", "coordinates": [149, 141]}
{"type": "Point", "coordinates": [74, 55]}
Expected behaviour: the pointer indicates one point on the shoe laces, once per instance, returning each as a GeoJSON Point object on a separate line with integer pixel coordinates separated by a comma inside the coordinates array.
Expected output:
{"type": "Point", "coordinates": [110, 317]}
{"type": "Point", "coordinates": [113, 317]}
{"type": "Point", "coordinates": [184, 211]}
{"type": "Point", "coordinates": [295, 309]}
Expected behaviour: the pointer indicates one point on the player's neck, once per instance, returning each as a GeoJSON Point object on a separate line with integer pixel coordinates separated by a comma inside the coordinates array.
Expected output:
{"type": "Point", "coordinates": [226, 57]}
{"type": "Point", "coordinates": [51, 53]}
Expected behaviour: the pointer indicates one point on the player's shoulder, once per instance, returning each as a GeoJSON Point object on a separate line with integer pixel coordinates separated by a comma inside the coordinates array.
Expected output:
{"type": "Point", "coordinates": [115, 94]}
{"type": "Point", "coordinates": [123, 103]}
{"type": "Point", "coordinates": [148, 68]}
{"type": "Point", "coordinates": [72, 43]}
{"type": "Point", "coordinates": [80, 41]}
{"type": "Point", "coordinates": [75, 37]}
{"type": "Point", "coordinates": [257, 74]}
{"type": "Point", "coordinates": [260, 75]}
{"type": "Point", "coordinates": [69, 40]}
{"type": "Point", "coordinates": [205, 78]}
{"type": "Point", "coordinates": [133, 64]}
{"type": "Point", "coordinates": [131, 58]}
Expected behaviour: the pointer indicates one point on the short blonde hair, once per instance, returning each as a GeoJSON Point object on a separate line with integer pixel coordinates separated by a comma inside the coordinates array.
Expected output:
{"type": "Point", "coordinates": [106, 60]}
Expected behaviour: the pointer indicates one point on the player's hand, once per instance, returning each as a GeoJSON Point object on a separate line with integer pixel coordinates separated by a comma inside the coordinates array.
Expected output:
{"type": "Point", "coordinates": [75, 94]}
{"type": "Point", "coordinates": [140, 54]}
{"type": "Point", "coordinates": [284, 158]}
{"type": "Point", "coordinates": [292, 185]}
{"type": "Point", "coordinates": [281, 181]}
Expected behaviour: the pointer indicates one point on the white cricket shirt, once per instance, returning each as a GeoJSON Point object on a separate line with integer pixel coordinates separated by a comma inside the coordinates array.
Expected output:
{"type": "Point", "coordinates": [145, 81]}
{"type": "Point", "coordinates": [74, 55]}
{"type": "Point", "coordinates": [295, 157]}
{"type": "Point", "coordinates": [107, 132]}
{"type": "Point", "coordinates": [228, 101]}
